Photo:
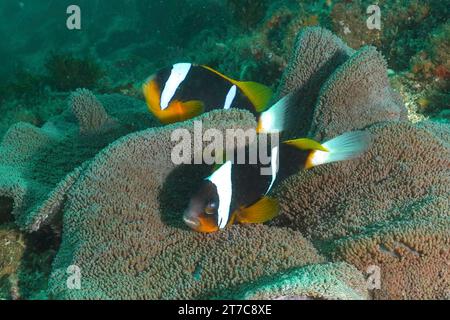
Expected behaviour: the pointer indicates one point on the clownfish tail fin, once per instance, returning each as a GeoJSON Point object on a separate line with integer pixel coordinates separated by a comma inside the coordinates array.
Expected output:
{"type": "Point", "coordinates": [347, 146]}
{"type": "Point", "coordinates": [275, 118]}
{"type": "Point", "coordinates": [258, 94]}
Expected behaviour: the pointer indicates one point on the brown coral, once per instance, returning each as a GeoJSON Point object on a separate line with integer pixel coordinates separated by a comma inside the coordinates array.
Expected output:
{"type": "Point", "coordinates": [12, 248]}
{"type": "Point", "coordinates": [122, 227]}
{"type": "Point", "coordinates": [346, 197]}
{"type": "Point", "coordinates": [316, 56]}
{"type": "Point", "coordinates": [372, 100]}
{"type": "Point", "coordinates": [349, 23]}
{"type": "Point", "coordinates": [34, 161]}
{"type": "Point", "coordinates": [389, 208]}
{"type": "Point", "coordinates": [320, 281]}
{"type": "Point", "coordinates": [322, 71]}
{"type": "Point", "coordinates": [413, 253]}
{"type": "Point", "coordinates": [91, 115]}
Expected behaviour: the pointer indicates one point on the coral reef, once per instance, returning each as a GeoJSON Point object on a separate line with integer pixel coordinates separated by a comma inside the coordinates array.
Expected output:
{"type": "Point", "coordinates": [245, 41]}
{"type": "Point", "coordinates": [366, 212]}
{"type": "Point", "coordinates": [322, 70]}
{"type": "Point", "coordinates": [117, 206]}
{"type": "Point", "coordinates": [430, 71]}
{"type": "Point", "coordinates": [125, 42]}
{"type": "Point", "coordinates": [6, 207]}
{"type": "Point", "coordinates": [412, 251]}
{"type": "Point", "coordinates": [26, 86]}
{"type": "Point", "coordinates": [90, 113]}
{"type": "Point", "coordinates": [403, 26]}
{"type": "Point", "coordinates": [12, 248]}
{"type": "Point", "coordinates": [320, 281]}
{"type": "Point", "coordinates": [414, 37]}
{"type": "Point", "coordinates": [66, 72]}
{"type": "Point", "coordinates": [389, 208]}
{"type": "Point", "coordinates": [28, 96]}
{"type": "Point", "coordinates": [377, 187]}
{"type": "Point", "coordinates": [25, 262]}
{"type": "Point", "coordinates": [139, 248]}
{"type": "Point", "coordinates": [34, 161]}
{"type": "Point", "coordinates": [248, 13]}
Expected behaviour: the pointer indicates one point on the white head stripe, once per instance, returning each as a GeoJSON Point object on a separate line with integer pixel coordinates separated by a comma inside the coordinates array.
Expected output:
{"type": "Point", "coordinates": [221, 178]}
{"type": "Point", "coordinates": [274, 167]}
{"type": "Point", "coordinates": [230, 97]}
{"type": "Point", "coordinates": [177, 76]}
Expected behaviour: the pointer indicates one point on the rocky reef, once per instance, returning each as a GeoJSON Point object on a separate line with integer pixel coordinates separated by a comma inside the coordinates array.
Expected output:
{"type": "Point", "coordinates": [100, 175]}
{"type": "Point", "coordinates": [390, 208]}
{"type": "Point", "coordinates": [145, 236]}
{"type": "Point", "coordinates": [250, 41]}
{"type": "Point", "coordinates": [39, 164]}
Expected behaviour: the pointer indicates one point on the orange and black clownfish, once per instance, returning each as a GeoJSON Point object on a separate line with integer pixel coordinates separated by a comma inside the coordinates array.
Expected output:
{"type": "Point", "coordinates": [238, 193]}
{"type": "Point", "coordinates": [186, 90]}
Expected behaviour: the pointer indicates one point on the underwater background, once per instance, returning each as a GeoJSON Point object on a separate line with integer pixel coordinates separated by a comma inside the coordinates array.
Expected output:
{"type": "Point", "coordinates": [63, 194]}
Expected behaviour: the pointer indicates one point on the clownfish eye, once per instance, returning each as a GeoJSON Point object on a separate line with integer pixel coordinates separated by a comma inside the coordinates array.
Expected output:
{"type": "Point", "coordinates": [211, 208]}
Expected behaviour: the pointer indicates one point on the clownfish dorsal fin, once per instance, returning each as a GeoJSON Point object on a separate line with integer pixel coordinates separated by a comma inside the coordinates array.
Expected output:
{"type": "Point", "coordinates": [219, 74]}
{"type": "Point", "coordinates": [262, 211]}
{"type": "Point", "coordinates": [258, 94]}
{"type": "Point", "coordinates": [306, 144]}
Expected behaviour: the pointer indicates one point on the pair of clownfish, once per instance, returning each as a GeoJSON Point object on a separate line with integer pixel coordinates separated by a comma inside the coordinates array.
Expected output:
{"type": "Point", "coordinates": [238, 193]}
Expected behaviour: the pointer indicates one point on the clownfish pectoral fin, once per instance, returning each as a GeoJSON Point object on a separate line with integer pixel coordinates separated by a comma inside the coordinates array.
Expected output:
{"type": "Point", "coordinates": [192, 109]}
{"type": "Point", "coordinates": [180, 111]}
{"type": "Point", "coordinates": [258, 94]}
{"type": "Point", "coordinates": [262, 211]}
{"type": "Point", "coordinates": [306, 144]}
{"type": "Point", "coordinates": [275, 118]}
{"type": "Point", "coordinates": [347, 146]}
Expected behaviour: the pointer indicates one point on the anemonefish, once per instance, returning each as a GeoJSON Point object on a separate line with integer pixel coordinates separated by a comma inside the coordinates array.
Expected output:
{"type": "Point", "coordinates": [186, 90]}
{"type": "Point", "coordinates": [238, 193]}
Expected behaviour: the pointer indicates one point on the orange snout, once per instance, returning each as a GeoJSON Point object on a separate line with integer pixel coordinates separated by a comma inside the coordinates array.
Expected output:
{"type": "Point", "coordinates": [202, 223]}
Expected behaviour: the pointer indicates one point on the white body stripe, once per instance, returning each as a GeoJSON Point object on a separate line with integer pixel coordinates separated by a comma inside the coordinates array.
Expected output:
{"type": "Point", "coordinates": [230, 97]}
{"type": "Point", "coordinates": [177, 76]}
{"type": "Point", "coordinates": [221, 178]}
{"type": "Point", "coordinates": [273, 166]}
